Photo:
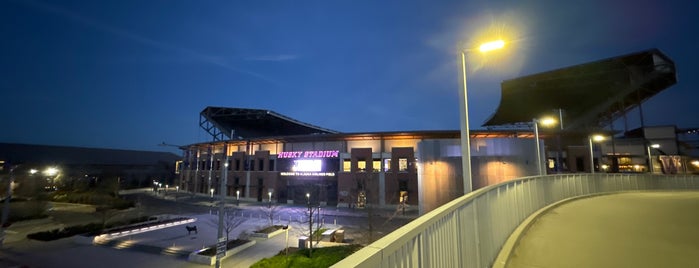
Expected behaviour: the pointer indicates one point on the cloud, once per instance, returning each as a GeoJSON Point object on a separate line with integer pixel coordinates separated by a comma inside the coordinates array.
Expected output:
{"type": "Point", "coordinates": [283, 57]}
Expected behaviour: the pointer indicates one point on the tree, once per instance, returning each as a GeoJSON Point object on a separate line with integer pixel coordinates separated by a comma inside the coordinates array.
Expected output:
{"type": "Point", "coordinates": [230, 221]}
{"type": "Point", "coordinates": [270, 212]}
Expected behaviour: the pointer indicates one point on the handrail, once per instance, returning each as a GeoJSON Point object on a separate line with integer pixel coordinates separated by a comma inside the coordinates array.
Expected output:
{"type": "Point", "coordinates": [470, 230]}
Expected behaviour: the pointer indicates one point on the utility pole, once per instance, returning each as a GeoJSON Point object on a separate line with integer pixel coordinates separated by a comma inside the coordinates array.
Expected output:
{"type": "Point", "coordinates": [221, 249]}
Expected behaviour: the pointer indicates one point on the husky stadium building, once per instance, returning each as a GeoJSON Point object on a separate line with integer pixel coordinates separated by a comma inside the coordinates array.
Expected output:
{"type": "Point", "coordinates": [261, 154]}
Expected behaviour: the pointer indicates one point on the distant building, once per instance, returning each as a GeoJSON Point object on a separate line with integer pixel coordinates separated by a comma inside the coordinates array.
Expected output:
{"type": "Point", "coordinates": [69, 165]}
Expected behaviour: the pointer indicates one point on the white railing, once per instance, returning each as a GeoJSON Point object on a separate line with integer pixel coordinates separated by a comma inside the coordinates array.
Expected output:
{"type": "Point", "coordinates": [470, 231]}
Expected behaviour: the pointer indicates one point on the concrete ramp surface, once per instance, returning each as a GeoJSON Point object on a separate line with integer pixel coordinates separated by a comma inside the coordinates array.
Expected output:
{"type": "Point", "coordinates": [649, 229]}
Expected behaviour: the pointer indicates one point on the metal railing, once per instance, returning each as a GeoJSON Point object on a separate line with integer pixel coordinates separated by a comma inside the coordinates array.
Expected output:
{"type": "Point", "coordinates": [470, 231]}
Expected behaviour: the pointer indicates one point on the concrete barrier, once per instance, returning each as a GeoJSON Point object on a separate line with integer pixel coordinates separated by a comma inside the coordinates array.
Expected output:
{"type": "Point", "coordinates": [195, 257]}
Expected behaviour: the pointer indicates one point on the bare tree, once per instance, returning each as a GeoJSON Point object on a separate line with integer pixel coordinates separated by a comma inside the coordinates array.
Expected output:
{"type": "Point", "coordinates": [270, 212]}
{"type": "Point", "coordinates": [230, 220]}
{"type": "Point", "coordinates": [307, 219]}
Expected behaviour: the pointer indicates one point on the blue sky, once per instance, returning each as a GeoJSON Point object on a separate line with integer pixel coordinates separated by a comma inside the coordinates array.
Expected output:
{"type": "Point", "coordinates": [131, 74]}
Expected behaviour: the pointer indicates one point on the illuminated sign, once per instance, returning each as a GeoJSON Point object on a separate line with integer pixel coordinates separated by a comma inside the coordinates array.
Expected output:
{"type": "Point", "coordinates": [307, 165]}
{"type": "Point", "coordinates": [309, 154]}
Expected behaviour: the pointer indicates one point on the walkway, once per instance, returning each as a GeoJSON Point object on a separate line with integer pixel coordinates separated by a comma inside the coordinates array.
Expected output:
{"type": "Point", "coordinates": [651, 229]}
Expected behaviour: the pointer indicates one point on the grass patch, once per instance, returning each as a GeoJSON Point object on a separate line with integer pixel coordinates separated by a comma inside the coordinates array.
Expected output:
{"type": "Point", "coordinates": [322, 257]}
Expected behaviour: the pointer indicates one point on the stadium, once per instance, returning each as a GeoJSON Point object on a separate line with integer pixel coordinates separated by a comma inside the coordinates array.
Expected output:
{"type": "Point", "coordinates": [265, 156]}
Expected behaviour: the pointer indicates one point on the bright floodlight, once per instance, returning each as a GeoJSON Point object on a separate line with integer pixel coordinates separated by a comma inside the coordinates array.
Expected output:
{"type": "Point", "coordinates": [655, 145]}
{"type": "Point", "coordinates": [493, 45]}
{"type": "Point", "coordinates": [51, 171]}
{"type": "Point", "coordinates": [33, 171]}
{"type": "Point", "coordinates": [547, 121]}
{"type": "Point", "coordinates": [597, 138]}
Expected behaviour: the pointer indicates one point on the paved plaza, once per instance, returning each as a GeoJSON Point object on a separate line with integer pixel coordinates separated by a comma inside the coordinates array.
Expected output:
{"type": "Point", "coordinates": [164, 247]}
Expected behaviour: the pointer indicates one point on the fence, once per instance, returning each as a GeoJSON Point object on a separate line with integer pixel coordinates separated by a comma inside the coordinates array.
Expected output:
{"type": "Point", "coordinates": [470, 231]}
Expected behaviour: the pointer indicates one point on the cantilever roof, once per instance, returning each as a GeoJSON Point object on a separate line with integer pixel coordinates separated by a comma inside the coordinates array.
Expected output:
{"type": "Point", "coordinates": [252, 123]}
{"type": "Point", "coordinates": [590, 94]}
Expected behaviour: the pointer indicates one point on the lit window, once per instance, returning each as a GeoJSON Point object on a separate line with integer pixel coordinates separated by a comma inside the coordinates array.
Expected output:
{"type": "Point", "coordinates": [387, 165]}
{"type": "Point", "coordinates": [361, 164]}
{"type": "Point", "coordinates": [402, 164]}
{"type": "Point", "coordinates": [376, 165]}
{"type": "Point", "coordinates": [346, 165]}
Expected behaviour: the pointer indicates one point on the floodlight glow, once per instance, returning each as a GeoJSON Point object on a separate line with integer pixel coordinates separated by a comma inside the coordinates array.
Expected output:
{"type": "Point", "coordinates": [548, 121]}
{"type": "Point", "coordinates": [493, 45]}
{"type": "Point", "coordinates": [597, 138]}
{"type": "Point", "coordinates": [656, 146]}
{"type": "Point", "coordinates": [33, 171]}
{"type": "Point", "coordinates": [695, 163]}
{"type": "Point", "coordinates": [51, 171]}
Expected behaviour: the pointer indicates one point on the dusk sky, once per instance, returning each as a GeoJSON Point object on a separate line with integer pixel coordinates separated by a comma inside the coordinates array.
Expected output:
{"type": "Point", "coordinates": [130, 74]}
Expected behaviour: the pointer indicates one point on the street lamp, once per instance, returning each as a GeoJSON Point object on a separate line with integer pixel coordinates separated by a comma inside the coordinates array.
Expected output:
{"type": "Point", "coordinates": [650, 156]}
{"type": "Point", "coordinates": [212, 192]}
{"type": "Point", "coordinates": [590, 139]}
{"type": "Point", "coordinates": [465, 135]}
{"type": "Point", "coordinates": [270, 198]}
{"type": "Point", "coordinates": [546, 121]}
{"type": "Point", "coordinates": [237, 198]}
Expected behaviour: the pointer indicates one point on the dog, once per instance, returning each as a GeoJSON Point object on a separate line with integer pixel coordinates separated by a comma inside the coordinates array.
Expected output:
{"type": "Point", "coordinates": [191, 228]}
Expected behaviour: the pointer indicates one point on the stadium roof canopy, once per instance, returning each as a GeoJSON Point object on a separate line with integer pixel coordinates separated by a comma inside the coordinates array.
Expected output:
{"type": "Point", "coordinates": [240, 123]}
{"type": "Point", "coordinates": [590, 95]}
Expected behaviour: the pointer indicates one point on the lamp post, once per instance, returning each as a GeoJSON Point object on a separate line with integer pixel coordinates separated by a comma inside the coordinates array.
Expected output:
{"type": "Point", "coordinates": [590, 139]}
{"type": "Point", "coordinates": [465, 135]}
{"type": "Point", "coordinates": [650, 156]}
{"type": "Point", "coordinates": [546, 121]}
{"type": "Point", "coordinates": [237, 198]}
{"type": "Point", "coordinates": [270, 199]}
{"type": "Point", "coordinates": [212, 192]}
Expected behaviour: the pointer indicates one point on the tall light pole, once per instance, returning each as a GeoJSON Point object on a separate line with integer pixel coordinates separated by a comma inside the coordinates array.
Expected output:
{"type": "Point", "coordinates": [546, 121]}
{"type": "Point", "coordinates": [221, 249]}
{"type": "Point", "coordinates": [650, 156]}
{"type": "Point", "coordinates": [590, 139]}
{"type": "Point", "coordinates": [465, 134]}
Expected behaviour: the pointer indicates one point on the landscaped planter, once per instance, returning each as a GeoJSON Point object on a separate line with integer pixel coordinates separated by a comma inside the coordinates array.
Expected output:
{"type": "Point", "coordinates": [196, 257]}
{"type": "Point", "coordinates": [267, 235]}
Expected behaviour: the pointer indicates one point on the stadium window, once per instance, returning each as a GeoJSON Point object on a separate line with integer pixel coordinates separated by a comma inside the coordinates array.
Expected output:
{"type": "Point", "coordinates": [361, 164]}
{"type": "Point", "coordinates": [376, 165]}
{"type": "Point", "coordinates": [402, 164]}
{"type": "Point", "coordinates": [387, 165]}
{"type": "Point", "coordinates": [346, 165]}
{"type": "Point", "coordinates": [229, 165]}
{"type": "Point", "coordinates": [237, 164]}
{"type": "Point", "coordinates": [261, 167]}
{"type": "Point", "coordinates": [271, 165]}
